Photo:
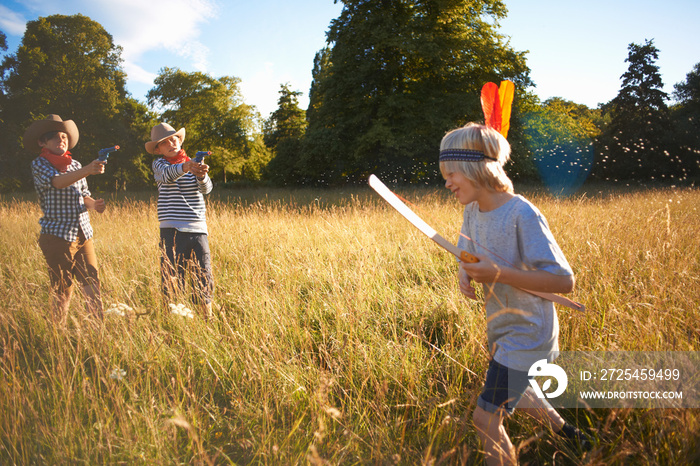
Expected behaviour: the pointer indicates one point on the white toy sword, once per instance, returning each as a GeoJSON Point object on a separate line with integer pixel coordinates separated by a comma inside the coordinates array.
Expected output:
{"type": "Point", "coordinates": [462, 255]}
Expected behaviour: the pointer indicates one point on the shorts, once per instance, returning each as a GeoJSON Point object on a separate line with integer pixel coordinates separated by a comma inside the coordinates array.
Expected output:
{"type": "Point", "coordinates": [69, 260]}
{"type": "Point", "coordinates": [503, 388]}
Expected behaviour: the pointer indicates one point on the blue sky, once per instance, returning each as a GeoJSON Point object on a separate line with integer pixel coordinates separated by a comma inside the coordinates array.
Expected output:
{"type": "Point", "coordinates": [577, 50]}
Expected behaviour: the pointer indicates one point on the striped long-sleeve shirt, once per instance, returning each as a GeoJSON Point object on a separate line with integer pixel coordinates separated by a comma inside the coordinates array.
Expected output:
{"type": "Point", "coordinates": [180, 197]}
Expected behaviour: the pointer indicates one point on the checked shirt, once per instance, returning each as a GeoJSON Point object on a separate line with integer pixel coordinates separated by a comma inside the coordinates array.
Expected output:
{"type": "Point", "coordinates": [65, 213]}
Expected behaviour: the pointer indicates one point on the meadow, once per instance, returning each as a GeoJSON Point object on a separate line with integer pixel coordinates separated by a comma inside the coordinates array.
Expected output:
{"type": "Point", "coordinates": [339, 337]}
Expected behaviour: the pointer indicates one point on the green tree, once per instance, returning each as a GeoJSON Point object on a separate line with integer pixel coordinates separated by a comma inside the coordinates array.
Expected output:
{"type": "Point", "coordinates": [396, 75]}
{"type": "Point", "coordinates": [636, 143]}
{"type": "Point", "coordinates": [688, 92]}
{"type": "Point", "coordinates": [70, 66]}
{"type": "Point", "coordinates": [215, 118]}
{"type": "Point", "coordinates": [8, 180]}
{"type": "Point", "coordinates": [131, 166]}
{"type": "Point", "coordinates": [283, 133]}
{"type": "Point", "coordinates": [559, 138]}
{"type": "Point", "coordinates": [256, 164]}
{"type": "Point", "coordinates": [685, 116]}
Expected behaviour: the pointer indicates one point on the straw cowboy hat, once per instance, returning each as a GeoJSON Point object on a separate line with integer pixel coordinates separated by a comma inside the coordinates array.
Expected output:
{"type": "Point", "coordinates": [161, 132]}
{"type": "Point", "coordinates": [51, 123]}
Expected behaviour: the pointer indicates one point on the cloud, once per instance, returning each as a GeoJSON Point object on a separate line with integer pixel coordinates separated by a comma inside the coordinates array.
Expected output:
{"type": "Point", "coordinates": [258, 88]}
{"type": "Point", "coordinates": [137, 74]}
{"type": "Point", "coordinates": [146, 26]}
{"type": "Point", "coordinates": [138, 26]}
{"type": "Point", "coordinates": [12, 23]}
{"type": "Point", "coordinates": [261, 88]}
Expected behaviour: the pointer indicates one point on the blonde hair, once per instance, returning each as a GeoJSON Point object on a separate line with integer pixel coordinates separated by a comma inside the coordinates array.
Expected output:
{"type": "Point", "coordinates": [487, 173]}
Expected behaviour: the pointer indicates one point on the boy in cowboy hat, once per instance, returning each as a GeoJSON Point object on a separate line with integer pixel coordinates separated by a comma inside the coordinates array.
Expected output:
{"type": "Point", "coordinates": [182, 184]}
{"type": "Point", "coordinates": [66, 233]}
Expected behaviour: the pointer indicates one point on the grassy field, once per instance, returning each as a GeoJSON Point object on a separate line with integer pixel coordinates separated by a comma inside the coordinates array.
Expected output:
{"type": "Point", "coordinates": [340, 336]}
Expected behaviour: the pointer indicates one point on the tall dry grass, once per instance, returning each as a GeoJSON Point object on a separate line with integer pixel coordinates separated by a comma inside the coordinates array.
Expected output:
{"type": "Point", "coordinates": [341, 336]}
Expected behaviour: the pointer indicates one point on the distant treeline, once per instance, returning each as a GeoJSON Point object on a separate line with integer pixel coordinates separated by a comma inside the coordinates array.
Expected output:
{"type": "Point", "coordinates": [387, 86]}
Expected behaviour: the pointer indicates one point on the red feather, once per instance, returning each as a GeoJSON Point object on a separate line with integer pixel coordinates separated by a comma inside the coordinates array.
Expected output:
{"type": "Point", "coordinates": [491, 105]}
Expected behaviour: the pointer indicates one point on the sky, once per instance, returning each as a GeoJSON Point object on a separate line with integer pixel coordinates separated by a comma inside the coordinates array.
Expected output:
{"type": "Point", "coordinates": [575, 50]}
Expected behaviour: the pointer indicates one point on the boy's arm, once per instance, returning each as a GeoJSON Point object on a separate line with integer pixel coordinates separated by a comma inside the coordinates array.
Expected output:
{"type": "Point", "coordinates": [164, 172]}
{"type": "Point", "coordinates": [487, 271]}
{"type": "Point", "coordinates": [66, 179]}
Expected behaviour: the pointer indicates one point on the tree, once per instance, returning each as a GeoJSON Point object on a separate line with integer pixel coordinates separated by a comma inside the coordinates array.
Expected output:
{"type": "Point", "coordinates": [559, 137]}
{"type": "Point", "coordinates": [214, 116]}
{"type": "Point", "coordinates": [131, 166]}
{"type": "Point", "coordinates": [688, 91]}
{"type": "Point", "coordinates": [685, 116]}
{"type": "Point", "coordinates": [8, 182]}
{"type": "Point", "coordinates": [395, 76]}
{"type": "Point", "coordinates": [283, 134]}
{"type": "Point", "coordinates": [635, 144]}
{"type": "Point", "coordinates": [70, 66]}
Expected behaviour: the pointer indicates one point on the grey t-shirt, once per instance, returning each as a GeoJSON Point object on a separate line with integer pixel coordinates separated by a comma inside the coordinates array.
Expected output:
{"type": "Point", "coordinates": [517, 322]}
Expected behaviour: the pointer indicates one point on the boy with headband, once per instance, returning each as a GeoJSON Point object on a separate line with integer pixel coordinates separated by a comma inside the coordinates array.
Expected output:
{"type": "Point", "coordinates": [516, 250]}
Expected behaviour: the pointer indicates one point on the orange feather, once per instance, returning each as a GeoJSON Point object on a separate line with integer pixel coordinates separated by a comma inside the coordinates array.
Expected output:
{"type": "Point", "coordinates": [505, 94]}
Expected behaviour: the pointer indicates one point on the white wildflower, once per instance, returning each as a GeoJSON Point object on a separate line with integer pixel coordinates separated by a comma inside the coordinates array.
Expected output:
{"type": "Point", "coordinates": [181, 310]}
{"type": "Point", "coordinates": [333, 412]}
{"type": "Point", "coordinates": [119, 309]}
{"type": "Point", "coordinates": [117, 374]}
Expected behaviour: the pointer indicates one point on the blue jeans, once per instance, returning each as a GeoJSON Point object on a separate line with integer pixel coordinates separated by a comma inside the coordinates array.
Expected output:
{"type": "Point", "coordinates": [183, 254]}
{"type": "Point", "coordinates": [503, 388]}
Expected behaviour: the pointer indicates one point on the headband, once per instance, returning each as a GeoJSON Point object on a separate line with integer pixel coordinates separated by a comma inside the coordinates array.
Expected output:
{"type": "Point", "coordinates": [463, 155]}
{"type": "Point", "coordinates": [496, 103]}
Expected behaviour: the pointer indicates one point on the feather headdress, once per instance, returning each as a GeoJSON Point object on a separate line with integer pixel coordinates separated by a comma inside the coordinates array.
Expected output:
{"type": "Point", "coordinates": [496, 103]}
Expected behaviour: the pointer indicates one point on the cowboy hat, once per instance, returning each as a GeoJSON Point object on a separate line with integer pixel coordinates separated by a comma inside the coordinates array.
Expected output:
{"type": "Point", "coordinates": [51, 123]}
{"type": "Point", "coordinates": [161, 132]}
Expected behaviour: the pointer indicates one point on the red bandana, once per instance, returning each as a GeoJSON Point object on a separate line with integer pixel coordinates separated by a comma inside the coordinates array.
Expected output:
{"type": "Point", "coordinates": [59, 162]}
{"type": "Point", "coordinates": [181, 157]}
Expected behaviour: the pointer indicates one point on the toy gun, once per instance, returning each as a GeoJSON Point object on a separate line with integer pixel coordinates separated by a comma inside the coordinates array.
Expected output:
{"type": "Point", "coordinates": [199, 156]}
{"type": "Point", "coordinates": [103, 154]}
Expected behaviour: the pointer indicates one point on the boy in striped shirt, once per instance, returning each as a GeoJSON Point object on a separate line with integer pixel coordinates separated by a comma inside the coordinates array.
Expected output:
{"type": "Point", "coordinates": [182, 184]}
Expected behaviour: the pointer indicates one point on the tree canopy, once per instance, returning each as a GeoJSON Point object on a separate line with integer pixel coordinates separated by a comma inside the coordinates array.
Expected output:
{"type": "Point", "coordinates": [395, 76]}
{"type": "Point", "coordinates": [685, 118]}
{"type": "Point", "coordinates": [636, 143]}
{"type": "Point", "coordinates": [283, 134]}
{"type": "Point", "coordinates": [70, 66]}
{"type": "Point", "coordinates": [688, 92]}
{"type": "Point", "coordinates": [215, 118]}
{"type": "Point", "coordinates": [559, 138]}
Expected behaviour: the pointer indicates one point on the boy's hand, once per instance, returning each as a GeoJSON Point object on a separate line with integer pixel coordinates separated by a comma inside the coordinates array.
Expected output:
{"type": "Point", "coordinates": [203, 170]}
{"type": "Point", "coordinates": [197, 169]}
{"type": "Point", "coordinates": [484, 271]}
{"type": "Point", "coordinates": [100, 205]}
{"type": "Point", "coordinates": [94, 204]}
{"type": "Point", "coordinates": [96, 167]}
{"type": "Point", "coordinates": [465, 284]}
